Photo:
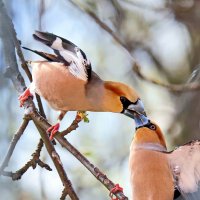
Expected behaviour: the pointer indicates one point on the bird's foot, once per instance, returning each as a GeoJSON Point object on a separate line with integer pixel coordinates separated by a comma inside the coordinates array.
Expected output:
{"type": "Point", "coordinates": [24, 96]}
{"type": "Point", "coordinates": [114, 190]}
{"type": "Point", "coordinates": [53, 130]}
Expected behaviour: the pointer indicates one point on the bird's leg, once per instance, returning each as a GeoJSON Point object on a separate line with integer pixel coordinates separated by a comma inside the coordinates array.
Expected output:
{"type": "Point", "coordinates": [114, 190]}
{"type": "Point", "coordinates": [54, 129]}
{"type": "Point", "coordinates": [24, 96]}
{"type": "Point", "coordinates": [61, 115]}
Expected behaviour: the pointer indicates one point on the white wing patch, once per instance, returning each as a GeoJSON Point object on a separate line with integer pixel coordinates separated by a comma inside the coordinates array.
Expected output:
{"type": "Point", "coordinates": [57, 44]}
{"type": "Point", "coordinates": [76, 66]}
{"type": "Point", "coordinates": [185, 164]}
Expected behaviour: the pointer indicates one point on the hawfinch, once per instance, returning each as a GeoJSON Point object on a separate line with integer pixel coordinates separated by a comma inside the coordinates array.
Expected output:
{"type": "Point", "coordinates": [66, 81]}
{"type": "Point", "coordinates": [157, 174]}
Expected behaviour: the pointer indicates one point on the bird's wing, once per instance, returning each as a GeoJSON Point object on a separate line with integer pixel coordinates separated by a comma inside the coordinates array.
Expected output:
{"type": "Point", "coordinates": [185, 165]}
{"type": "Point", "coordinates": [68, 53]}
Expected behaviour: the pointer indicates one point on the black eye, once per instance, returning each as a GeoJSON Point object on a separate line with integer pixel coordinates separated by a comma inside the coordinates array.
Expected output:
{"type": "Point", "coordinates": [152, 127]}
{"type": "Point", "coordinates": [125, 101]}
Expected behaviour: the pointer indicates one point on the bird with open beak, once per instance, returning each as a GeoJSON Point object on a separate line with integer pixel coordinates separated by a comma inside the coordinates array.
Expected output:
{"type": "Point", "coordinates": [156, 174]}
{"type": "Point", "coordinates": [66, 81]}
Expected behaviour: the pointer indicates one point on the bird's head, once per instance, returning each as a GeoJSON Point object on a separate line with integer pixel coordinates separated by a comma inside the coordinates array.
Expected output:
{"type": "Point", "coordinates": [121, 98]}
{"type": "Point", "coordinates": [149, 133]}
{"type": "Point", "coordinates": [146, 130]}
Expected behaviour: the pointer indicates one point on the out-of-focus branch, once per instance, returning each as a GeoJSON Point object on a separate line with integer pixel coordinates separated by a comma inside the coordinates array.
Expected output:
{"type": "Point", "coordinates": [172, 87]}
{"type": "Point", "coordinates": [13, 143]}
{"type": "Point", "coordinates": [102, 25]}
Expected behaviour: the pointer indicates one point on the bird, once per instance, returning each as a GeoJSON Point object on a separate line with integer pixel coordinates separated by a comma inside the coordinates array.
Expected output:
{"type": "Point", "coordinates": [66, 81]}
{"type": "Point", "coordinates": [155, 172]}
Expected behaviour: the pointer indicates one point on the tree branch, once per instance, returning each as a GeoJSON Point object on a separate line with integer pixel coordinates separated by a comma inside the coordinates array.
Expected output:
{"type": "Point", "coordinates": [172, 87]}
{"type": "Point", "coordinates": [57, 162]}
{"type": "Point", "coordinates": [8, 35]}
{"type": "Point", "coordinates": [41, 122]}
{"type": "Point", "coordinates": [42, 125]}
{"type": "Point", "coordinates": [13, 143]}
{"type": "Point", "coordinates": [102, 25]}
{"type": "Point", "coordinates": [73, 126]}
{"type": "Point", "coordinates": [64, 195]}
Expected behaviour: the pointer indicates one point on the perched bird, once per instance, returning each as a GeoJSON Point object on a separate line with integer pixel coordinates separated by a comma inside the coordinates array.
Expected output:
{"type": "Point", "coordinates": [156, 174]}
{"type": "Point", "coordinates": [66, 81]}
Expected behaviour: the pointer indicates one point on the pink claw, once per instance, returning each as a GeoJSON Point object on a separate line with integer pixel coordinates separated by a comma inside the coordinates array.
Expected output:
{"type": "Point", "coordinates": [53, 130]}
{"type": "Point", "coordinates": [24, 96]}
{"type": "Point", "coordinates": [114, 190]}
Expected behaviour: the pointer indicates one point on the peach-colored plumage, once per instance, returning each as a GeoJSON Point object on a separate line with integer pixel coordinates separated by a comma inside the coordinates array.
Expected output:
{"type": "Point", "coordinates": [156, 174]}
{"type": "Point", "coordinates": [151, 176]}
{"type": "Point", "coordinates": [63, 91]}
{"type": "Point", "coordinates": [67, 82]}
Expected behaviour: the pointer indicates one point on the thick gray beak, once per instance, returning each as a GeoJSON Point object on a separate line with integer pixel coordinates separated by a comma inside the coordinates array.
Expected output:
{"type": "Point", "coordinates": [136, 111]}
{"type": "Point", "coordinates": [138, 108]}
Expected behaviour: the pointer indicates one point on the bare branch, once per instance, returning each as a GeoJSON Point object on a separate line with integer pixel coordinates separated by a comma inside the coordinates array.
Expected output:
{"type": "Point", "coordinates": [57, 162]}
{"type": "Point", "coordinates": [172, 87]}
{"type": "Point", "coordinates": [13, 143]}
{"type": "Point", "coordinates": [42, 125]}
{"type": "Point", "coordinates": [94, 170]}
{"type": "Point", "coordinates": [73, 126]}
{"type": "Point", "coordinates": [41, 122]}
{"type": "Point", "coordinates": [64, 195]}
{"type": "Point", "coordinates": [13, 72]}
{"type": "Point", "coordinates": [102, 25]}
{"type": "Point", "coordinates": [6, 34]}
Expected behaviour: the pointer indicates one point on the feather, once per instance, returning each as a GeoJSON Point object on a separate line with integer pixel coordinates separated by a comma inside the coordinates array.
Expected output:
{"type": "Point", "coordinates": [68, 53]}
{"type": "Point", "coordinates": [185, 165]}
{"type": "Point", "coordinates": [47, 56]}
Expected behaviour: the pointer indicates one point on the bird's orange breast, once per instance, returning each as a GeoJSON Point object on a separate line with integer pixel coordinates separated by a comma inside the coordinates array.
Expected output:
{"type": "Point", "coordinates": [58, 86]}
{"type": "Point", "coordinates": [151, 178]}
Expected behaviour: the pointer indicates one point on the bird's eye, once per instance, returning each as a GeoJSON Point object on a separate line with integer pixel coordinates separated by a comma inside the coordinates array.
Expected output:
{"type": "Point", "coordinates": [152, 127]}
{"type": "Point", "coordinates": [84, 62]}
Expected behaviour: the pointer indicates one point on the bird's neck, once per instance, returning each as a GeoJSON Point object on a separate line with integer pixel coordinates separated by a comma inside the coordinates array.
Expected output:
{"type": "Point", "coordinates": [145, 135]}
{"type": "Point", "coordinates": [112, 93]}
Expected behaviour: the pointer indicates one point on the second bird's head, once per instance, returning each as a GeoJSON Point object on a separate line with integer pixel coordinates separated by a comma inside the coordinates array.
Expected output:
{"type": "Point", "coordinates": [146, 130]}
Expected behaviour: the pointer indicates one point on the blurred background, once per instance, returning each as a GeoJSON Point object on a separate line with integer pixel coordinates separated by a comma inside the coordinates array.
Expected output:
{"type": "Point", "coordinates": [163, 36]}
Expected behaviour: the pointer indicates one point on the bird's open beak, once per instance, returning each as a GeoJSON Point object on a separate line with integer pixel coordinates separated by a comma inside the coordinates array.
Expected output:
{"type": "Point", "coordinates": [136, 108]}
{"type": "Point", "coordinates": [136, 111]}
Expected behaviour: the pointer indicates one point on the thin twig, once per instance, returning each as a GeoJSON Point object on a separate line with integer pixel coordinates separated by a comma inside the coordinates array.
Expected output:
{"type": "Point", "coordinates": [102, 25]}
{"type": "Point", "coordinates": [44, 124]}
{"type": "Point", "coordinates": [31, 163]}
{"type": "Point", "coordinates": [57, 162]}
{"type": "Point", "coordinates": [64, 195]}
{"type": "Point", "coordinates": [13, 143]}
{"type": "Point", "coordinates": [8, 35]}
{"type": "Point", "coordinates": [172, 87]}
{"type": "Point", "coordinates": [73, 126]}
{"type": "Point", "coordinates": [94, 170]}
